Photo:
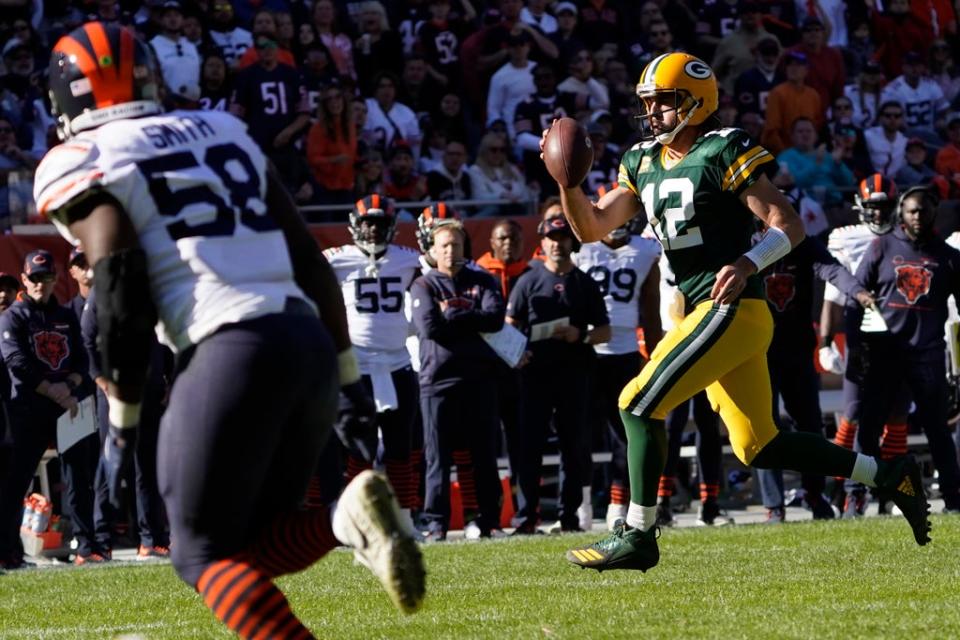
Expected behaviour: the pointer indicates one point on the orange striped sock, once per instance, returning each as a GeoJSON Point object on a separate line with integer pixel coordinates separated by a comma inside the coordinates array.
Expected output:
{"type": "Point", "coordinates": [665, 490]}
{"type": "Point", "coordinates": [416, 468]}
{"type": "Point", "coordinates": [894, 441]}
{"type": "Point", "coordinates": [292, 542]}
{"type": "Point", "coordinates": [466, 478]}
{"type": "Point", "coordinates": [400, 475]}
{"type": "Point", "coordinates": [247, 602]}
{"type": "Point", "coordinates": [355, 465]}
{"type": "Point", "coordinates": [846, 433]}
{"type": "Point", "coordinates": [619, 494]}
{"type": "Point", "coordinates": [708, 490]}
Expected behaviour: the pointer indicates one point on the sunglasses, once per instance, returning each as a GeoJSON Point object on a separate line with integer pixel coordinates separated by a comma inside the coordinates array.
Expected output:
{"type": "Point", "coordinates": [38, 278]}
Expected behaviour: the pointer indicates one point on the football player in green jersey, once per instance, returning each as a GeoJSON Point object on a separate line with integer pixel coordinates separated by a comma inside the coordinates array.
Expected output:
{"type": "Point", "coordinates": [700, 188]}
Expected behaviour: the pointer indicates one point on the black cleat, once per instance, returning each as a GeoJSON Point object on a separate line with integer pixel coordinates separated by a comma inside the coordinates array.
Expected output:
{"type": "Point", "coordinates": [902, 482]}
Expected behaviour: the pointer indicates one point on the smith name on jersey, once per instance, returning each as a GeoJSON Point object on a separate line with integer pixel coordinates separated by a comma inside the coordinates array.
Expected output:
{"type": "Point", "coordinates": [373, 293]}
{"type": "Point", "coordinates": [620, 274]}
{"type": "Point", "coordinates": [694, 207]}
{"type": "Point", "coordinates": [194, 187]}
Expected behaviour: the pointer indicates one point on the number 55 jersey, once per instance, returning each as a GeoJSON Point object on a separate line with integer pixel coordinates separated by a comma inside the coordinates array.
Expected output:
{"type": "Point", "coordinates": [194, 186]}
{"type": "Point", "coordinates": [694, 207]}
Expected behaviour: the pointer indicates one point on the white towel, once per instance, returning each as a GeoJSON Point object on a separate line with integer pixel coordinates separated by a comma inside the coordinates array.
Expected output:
{"type": "Point", "coordinates": [384, 393]}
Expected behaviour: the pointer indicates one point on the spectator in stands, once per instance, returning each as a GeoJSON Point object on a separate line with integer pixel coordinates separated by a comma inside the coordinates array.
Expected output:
{"type": "Point", "coordinates": [9, 287]}
{"type": "Point", "coordinates": [306, 36]}
{"type": "Point", "coordinates": [753, 86]}
{"type": "Point", "coordinates": [193, 31]}
{"type": "Point", "coordinates": [920, 97]}
{"type": "Point", "coordinates": [333, 37]}
{"type": "Point", "coordinates": [790, 100]}
{"type": "Point", "coordinates": [512, 82]}
{"type": "Point", "coordinates": [232, 40]}
{"type": "Point", "coordinates": [659, 41]}
{"type": "Point", "coordinates": [853, 149]}
{"type": "Point", "coordinates": [944, 70]}
{"type": "Point", "coordinates": [601, 21]}
{"type": "Point", "coordinates": [812, 167]}
{"type": "Point", "coordinates": [449, 117]}
{"type": "Point", "coordinates": [897, 31]}
{"type": "Point", "coordinates": [581, 82]}
{"type": "Point", "coordinates": [606, 162]}
{"type": "Point", "coordinates": [556, 381]}
{"type": "Point", "coordinates": [332, 147]}
{"type": "Point", "coordinates": [621, 86]}
{"type": "Point", "coordinates": [286, 32]}
{"type": "Point", "coordinates": [23, 31]}
{"type": "Point", "coordinates": [178, 58]}
{"type": "Point", "coordinates": [431, 152]}
{"type": "Point", "coordinates": [418, 89]}
{"type": "Point", "coordinates": [402, 182]}
{"type": "Point", "coordinates": [21, 98]}
{"type": "Point", "coordinates": [827, 74]}
{"type": "Point", "coordinates": [494, 52]}
{"type": "Point", "coordinates": [753, 123]}
{"type": "Point", "coordinates": [44, 354]}
{"type": "Point", "coordinates": [912, 272]}
{"type": "Point", "coordinates": [215, 85]}
{"type": "Point", "coordinates": [388, 120]}
{"type": "Point", "coordinates": [947, 162]}
{"type": "Point", "coordinates": [439, 40]}
{"type": "Point", "coordinates": [16, 185]}
{"type": "Point", "coordinates": [885, 142]}
{"type": "Point", "coordinates": [714, 21]}
{"type": "Point", "coordinates": [450, 181]}
{"type": "Point", "coordinates": [736, 51]}
{"type": "Point", "coordinates": [318, 73]}
{"type": "Point", "coordinates": [458, 391]}
{"type": "Point", "coordinates": [378, 48]}
{"type": "Point", "coordinates": [370, 174]}
{"type": "Point", "coordinates": [860, 50]}
{"type": "Point", "coordinates": [535, 14]}
{"type": "Point", "coordinates": [566, 38]}
{"type": "Point", "coordinates": [493, 177]}
{"type": "Point", "coordinates": [865, 95]}
{"type": "Point", "coordinates": [269, 97]}
{"type": "Point", "coordinates": [265, 24]}
{"type": "Point", "coordinates": [915, 170]}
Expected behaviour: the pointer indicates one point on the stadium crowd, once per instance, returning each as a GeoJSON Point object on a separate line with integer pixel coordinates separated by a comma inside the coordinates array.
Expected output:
{"type": "Point", "coordinates": [434, 103]}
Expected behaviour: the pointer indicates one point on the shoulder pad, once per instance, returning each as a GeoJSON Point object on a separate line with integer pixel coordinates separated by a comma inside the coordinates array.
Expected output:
{"type": "Point", "coordinates": [66, 174]}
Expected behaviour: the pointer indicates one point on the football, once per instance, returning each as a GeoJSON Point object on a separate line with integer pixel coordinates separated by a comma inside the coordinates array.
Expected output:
{"type": "Point", "coordinates": [567, 152]}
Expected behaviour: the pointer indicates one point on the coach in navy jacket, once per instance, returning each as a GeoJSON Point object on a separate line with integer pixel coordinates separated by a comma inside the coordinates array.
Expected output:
{"type": "Point", "coordinates": [451, 306]}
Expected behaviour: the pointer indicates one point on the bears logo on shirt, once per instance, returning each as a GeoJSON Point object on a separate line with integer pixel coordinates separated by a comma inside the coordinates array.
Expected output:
{"type": "Point", "coordinates": [51, 348]}
{"type": "Point", "coordinates": [913, 281]}
{"type": "Point", "coordinates": [780, 289]}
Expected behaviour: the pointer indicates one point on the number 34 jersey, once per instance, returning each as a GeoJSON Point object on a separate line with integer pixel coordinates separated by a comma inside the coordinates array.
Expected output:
{"type": "Point", "coordinates": [620, 274]}
{"type": "Point", "coordinates": [194, 186]}
{"type": "Point", "coordinates": [694, 207]}
{"type": "Point", "coordinates": [373, 293]}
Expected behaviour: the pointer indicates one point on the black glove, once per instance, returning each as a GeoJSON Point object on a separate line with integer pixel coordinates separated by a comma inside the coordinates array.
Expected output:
{"type": "Point", "coordinates": [118, 451]}
{"type": "Point", "coordinates": [357, 421]}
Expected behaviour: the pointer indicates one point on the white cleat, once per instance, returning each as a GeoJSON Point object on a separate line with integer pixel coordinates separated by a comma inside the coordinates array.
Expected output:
{"type": "Point", "coordinates": [368, 519]}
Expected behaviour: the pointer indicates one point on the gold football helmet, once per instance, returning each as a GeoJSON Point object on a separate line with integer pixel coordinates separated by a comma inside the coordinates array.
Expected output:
{"type": "Point", "coordinates": [693, 86]}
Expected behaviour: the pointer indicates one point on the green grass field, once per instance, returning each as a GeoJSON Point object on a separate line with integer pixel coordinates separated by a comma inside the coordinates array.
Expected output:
{"type": "Point", "coordinates": [863, 579]}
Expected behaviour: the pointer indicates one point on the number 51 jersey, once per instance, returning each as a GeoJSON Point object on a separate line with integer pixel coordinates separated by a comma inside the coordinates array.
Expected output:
{"type": "Point", "coordinates": [194, 186]}
{"type": "Point", "coordinates": [694, 207]}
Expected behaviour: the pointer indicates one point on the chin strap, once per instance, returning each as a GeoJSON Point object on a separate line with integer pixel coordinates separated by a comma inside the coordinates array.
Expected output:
{"type": "Point", "coordinates": [667, 138]}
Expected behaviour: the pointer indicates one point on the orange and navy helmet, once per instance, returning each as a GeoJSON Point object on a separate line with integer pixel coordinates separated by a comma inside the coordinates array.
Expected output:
{"type": "Point", "coordinates": [876, 203]}
{"type": "Point", "coordinates": [430, 218]}
{"type": "Point", "coordinates": [373, 223]}
{"type": "Point", "coordinates": [100, 73]}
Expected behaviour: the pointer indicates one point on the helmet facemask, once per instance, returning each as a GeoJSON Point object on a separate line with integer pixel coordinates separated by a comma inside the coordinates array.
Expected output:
{"type": "Point", "coordinates": [684, 106]}
{"type": "Point", "coordinates": [876, 215]}
{"type": "Point", "coordinates": [373, 231]}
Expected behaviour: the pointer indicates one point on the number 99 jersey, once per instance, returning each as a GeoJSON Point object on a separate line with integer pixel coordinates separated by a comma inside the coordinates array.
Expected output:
{"type": "Point", "coordinates": [194, 185]}
{"type": "Point", "coordinates": [620, 274]}
{"type": "Point", "coordinates": [694, 207]}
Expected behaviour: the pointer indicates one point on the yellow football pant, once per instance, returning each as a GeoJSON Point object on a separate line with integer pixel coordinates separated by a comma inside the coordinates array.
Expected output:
{"type": "Point", "coordinates": [720, 348]}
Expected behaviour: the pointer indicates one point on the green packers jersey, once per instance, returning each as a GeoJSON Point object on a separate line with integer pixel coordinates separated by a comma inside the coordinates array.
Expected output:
{"type": "Point", "coordinates": [695, 208]}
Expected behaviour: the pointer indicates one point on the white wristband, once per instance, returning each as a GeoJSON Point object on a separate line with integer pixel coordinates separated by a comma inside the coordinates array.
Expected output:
{"type": "Point", "coordinates": [123, 415]}
{"type": "Point", "coordinates": [774, 245]}
{"type": "Point", "coordinates": [349, 367]}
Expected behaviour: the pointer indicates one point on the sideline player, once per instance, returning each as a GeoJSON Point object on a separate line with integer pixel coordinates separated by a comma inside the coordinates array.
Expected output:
{"type": "Point", "coordinates": [700, 187]}
{"type": "Point", "coordinates": [183, 222]}
{"type": "Point", "coordinates": [374, 275]}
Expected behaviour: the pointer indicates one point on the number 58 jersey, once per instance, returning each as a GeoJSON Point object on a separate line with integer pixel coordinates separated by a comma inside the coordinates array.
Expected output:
{"type": "Point", "coordinates": [194, 185]}
{"type": "Point", "coordinates": [694, 207]}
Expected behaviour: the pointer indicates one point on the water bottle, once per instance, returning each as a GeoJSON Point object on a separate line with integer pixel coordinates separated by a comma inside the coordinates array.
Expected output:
{"type": "Point", "coordinates": [28, 514]}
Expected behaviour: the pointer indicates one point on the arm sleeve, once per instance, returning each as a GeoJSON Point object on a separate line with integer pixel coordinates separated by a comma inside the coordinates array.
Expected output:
{"type": "Point", "coordinates": [15, 347]}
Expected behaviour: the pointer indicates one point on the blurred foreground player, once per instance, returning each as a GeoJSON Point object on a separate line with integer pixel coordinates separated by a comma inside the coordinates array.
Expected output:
{"type": "Point", "coordinates": [182, 223]}
{"type": "Point", "coordinates": [701, 188]}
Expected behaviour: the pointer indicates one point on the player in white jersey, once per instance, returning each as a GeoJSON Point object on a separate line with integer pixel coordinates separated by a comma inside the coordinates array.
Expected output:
{"type": "Point", "coordinates": [920, 96]}
{"type": "Point", "coordinates": [182, 221]}
{"type": "Point", "coordinates": [625, 268]}
{"type": "Point", "coordinates": [374, 275]}
{"type": "Point", "coordinates": [875, 203]}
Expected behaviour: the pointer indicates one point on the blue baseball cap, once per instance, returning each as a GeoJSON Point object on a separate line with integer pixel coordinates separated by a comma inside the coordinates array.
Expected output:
{"type": "Point", "coordinates": [39, 262]}
{"type": "Point", "coordinates": [76, 254]}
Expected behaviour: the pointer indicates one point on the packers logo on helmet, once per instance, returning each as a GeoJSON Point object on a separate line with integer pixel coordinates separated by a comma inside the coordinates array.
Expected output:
{"type": "Point", "coordinates": [677, 82]}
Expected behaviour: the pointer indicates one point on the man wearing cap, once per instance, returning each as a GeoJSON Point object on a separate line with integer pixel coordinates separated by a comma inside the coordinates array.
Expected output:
{"type": "Point", "coordinates": [178, 57]}
{"type": "Point", "coordinates": [567, 36]}
{"type": "Point", "coordinates": [41, 346]}
{"type": "Point", "coordinates": [827, 71]}
{"type": "Point", "coordinates": [458, 388]}
{"type": "Point", "coordinates": [512, 82]}
{"type": "Point", "coordinates": [80, 272]}
{"type": "Point", "coordinates": [920, 97]}
{"type": "Point", "coordinates": [788, 101]}
{"type": "Point", "coordinates": [752, 87]}
{"type": "Point", "coordinates": [735, 53]}
{"type": "Point", "coordinates": [561, 309]}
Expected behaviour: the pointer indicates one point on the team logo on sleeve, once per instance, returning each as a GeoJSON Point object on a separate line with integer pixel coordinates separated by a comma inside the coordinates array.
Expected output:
{"type": "Point", "coordinates": [913, 279]}
{"type": "Point", "coordinates": [51, 348]}
{"type": "Point", "coordinates": [780, 289]}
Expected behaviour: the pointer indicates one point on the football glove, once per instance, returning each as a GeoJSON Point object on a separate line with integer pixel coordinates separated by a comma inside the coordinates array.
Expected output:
{"type": "Point", "coordinates": [356, 424]}
{"type": "Point", "coordinates": [118, 449]}
{"type": "Point", "coordinates": [830, 359]}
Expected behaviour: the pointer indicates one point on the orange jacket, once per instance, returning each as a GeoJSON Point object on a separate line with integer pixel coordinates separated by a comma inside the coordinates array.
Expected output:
{"type": "Point", "coordinates": [320, 146]}
{"type": "Point", "coordinates": [507, 274]}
